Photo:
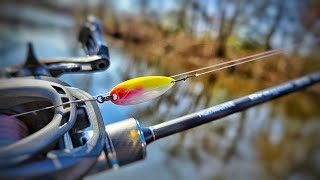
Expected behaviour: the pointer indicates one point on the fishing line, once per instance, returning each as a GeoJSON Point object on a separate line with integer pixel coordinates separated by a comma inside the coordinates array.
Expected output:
{"type": "Point", "coordinates": [228, 62]}
{"type": "Point", "coordinates": [240, 61]}
{"type": "Point", "coordinates": [115, 93]}
{"type": "Point", "coordinates": [93, 98]}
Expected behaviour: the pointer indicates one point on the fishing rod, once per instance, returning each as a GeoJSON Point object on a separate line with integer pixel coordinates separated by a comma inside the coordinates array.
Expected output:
{"type": "Point", "coordinates": [225, 109]}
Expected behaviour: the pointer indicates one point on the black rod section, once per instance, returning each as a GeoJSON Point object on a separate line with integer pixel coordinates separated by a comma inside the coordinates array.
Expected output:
{"type": "Point", "coordinates": [222, 110]}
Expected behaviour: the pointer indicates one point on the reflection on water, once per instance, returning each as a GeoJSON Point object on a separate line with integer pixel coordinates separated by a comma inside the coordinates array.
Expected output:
{"type": "Point", "coordinates": [263, 142]}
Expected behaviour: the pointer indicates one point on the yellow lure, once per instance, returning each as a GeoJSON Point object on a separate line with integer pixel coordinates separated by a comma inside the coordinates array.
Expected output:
{"type": "Point", "coordinates": [141, 89]}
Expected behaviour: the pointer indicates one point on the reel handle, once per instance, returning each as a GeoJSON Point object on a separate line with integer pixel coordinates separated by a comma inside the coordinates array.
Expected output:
{"type": "Point", "coordinates": [91, 38]}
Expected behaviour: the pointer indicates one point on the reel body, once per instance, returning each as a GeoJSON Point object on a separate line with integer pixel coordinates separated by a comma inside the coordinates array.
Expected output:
{"type": "Point", "coordinates": [67, 141]}
{"type": "Point", "coordinates": [49, 144]}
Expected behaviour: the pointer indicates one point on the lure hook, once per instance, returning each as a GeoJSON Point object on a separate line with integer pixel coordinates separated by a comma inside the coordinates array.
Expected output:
{"type": "Point", "coordinates": [101, 99]}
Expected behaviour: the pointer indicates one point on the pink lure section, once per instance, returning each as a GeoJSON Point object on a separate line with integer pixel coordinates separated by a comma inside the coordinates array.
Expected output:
{"type": "Point", "coordinates": [123, 96]}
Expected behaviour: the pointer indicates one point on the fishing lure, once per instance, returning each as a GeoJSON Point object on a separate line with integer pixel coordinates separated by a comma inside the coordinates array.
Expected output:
{"type": "Point", "coordinates": [139, 90]}
{"type": "Point", "coordinates": [142, 89]}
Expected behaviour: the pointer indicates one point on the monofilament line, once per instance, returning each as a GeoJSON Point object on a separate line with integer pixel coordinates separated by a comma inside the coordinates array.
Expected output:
{"type": "Point", "coordinates": [240, 61]}
{"type": "Point", "coordinates": [224, 67]}
{"type": "Point", "coordinates": [272, 52]}
{"type": "Point", "coordinates": [93, 98]}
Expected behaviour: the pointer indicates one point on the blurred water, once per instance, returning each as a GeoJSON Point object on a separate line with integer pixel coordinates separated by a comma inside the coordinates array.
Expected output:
{"type": "Point", "coordinates": [238, 146]}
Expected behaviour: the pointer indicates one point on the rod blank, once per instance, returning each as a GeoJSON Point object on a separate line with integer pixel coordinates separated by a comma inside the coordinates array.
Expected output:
{"type": "Point", "coordinates": [222, 110]}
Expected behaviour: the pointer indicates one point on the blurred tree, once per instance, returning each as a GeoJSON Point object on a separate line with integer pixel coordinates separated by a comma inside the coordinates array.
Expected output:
{"type": "Point", "coordinates": [182, 14]}
{"type": "Point", "coordinates": [143, 6]}
{"type": "Point", "coordinates": [226, 26]}
{"type": "Point", "coordinates": [311, 21]}
{"type": "Point", "coordinates": [195, 9]}
{"type": "Point", "coordinates": [102, 8]}
{"type": "Point", "coordinates": [279, 8]}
